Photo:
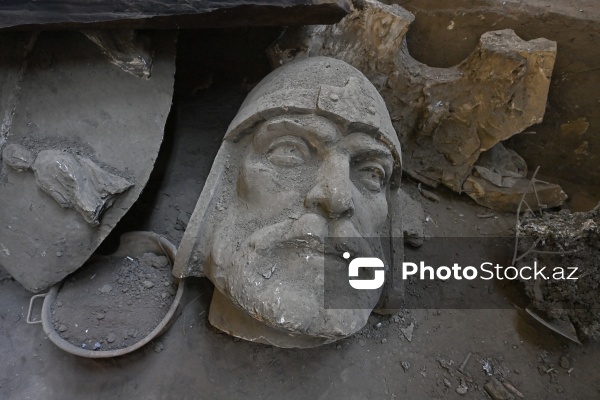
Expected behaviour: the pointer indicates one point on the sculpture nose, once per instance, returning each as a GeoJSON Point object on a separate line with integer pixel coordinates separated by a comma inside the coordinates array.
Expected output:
{"type": "Point", "coordinates": [332, 192]}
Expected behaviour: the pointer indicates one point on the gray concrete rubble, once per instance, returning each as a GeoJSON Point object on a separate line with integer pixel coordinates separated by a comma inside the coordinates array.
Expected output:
{"type": "Point", "coordinates": [309, 170]}
{"type": "Point", "coordinates": [445, 117]}
{"type": "Point", "coordinates": [89, 131]}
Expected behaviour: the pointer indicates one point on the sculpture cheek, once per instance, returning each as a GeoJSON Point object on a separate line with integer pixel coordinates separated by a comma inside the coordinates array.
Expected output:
{"type": "Point", "coordinates": [371, 211]}
{"type": "Point", "coordinates": [263, 191]}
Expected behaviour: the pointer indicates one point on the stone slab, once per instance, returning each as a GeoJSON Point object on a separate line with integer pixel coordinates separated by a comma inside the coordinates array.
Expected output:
{"type": "Point", "coordinates": [135, 14]}
{"type": "Point", "coordinates": [69, 97]}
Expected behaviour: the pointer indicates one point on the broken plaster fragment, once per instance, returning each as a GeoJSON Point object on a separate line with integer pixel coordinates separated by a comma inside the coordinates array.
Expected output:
{"type": "Point", "coordinates": [497, 391]}
{"type": "Point", "coordinates": [78, 183]}
{"type": "Point", "coordinates": [507, 199]}
{"type": "Point", "coordinates": [17, 157]}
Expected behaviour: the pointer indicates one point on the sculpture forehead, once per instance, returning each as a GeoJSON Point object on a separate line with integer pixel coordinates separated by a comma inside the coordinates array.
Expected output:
{"type": "Point", "coordinates": [313, 127]}
{"type": "Point", "coordinates": [323, 86]}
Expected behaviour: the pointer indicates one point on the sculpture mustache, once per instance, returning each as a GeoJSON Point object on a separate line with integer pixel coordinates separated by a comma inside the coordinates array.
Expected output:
{"type": "Point", "coordinates": [314, 232]}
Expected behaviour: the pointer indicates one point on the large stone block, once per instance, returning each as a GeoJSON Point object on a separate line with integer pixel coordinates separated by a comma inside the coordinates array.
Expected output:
{"type": "Point", "coordinates": [446, 31]}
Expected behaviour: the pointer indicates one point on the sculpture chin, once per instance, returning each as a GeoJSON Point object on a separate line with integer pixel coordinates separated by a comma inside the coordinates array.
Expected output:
{"type": "Point", "coordinates": [276, 296]}
{"type": "Point", "coordinates": [236, 321]}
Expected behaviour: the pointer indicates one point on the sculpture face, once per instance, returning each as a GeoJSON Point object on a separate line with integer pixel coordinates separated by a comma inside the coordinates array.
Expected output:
{"type": "Point", "coordinates": [301, 180]}
{"type": "Point", "coordinates": [303, 176]}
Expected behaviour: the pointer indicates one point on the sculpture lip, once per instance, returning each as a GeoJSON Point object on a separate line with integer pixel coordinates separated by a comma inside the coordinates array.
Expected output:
{"type": "Point", "coordinates": [308, 241]}
{"type": "Point", "coordinates": [317, 244]}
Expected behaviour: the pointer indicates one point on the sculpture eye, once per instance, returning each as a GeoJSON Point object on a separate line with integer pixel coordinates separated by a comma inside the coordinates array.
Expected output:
{"type": "Point", "coordinates": [288, 151]}
{"type": "Point", "coordinates": [371, 176]}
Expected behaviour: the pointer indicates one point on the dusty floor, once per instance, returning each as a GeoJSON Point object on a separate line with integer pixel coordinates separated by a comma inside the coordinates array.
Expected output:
{"type": "Point", "coordinates": [193, 361]}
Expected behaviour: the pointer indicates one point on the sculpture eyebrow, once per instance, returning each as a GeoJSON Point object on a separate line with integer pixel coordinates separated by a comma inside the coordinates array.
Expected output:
{"type": "Point", "coordinates": [288, 126]}
{"type": "Point", "coordinates": [361, 144]}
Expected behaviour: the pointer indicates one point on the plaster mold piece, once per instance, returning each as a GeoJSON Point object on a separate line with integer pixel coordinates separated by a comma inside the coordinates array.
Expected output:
{"type": "Point", "coordinates": [507, 199]}
{"type": "Point", "coordinates": [499, 180]}
{"type": "Point", "coordinates": [17, 157]}
{"type": "Point", "coordinates": [309, 169]}
{"type": "Point", "coordinates": [126, 49]}
{"type": "Point", "coordinates": [501, 166]}
{"type": "Point", "coordinates": [73, 106]}
{"type": "Point", "coordinates": [445, 117]}
{"type": "Point", "coordinates": [78, 183]}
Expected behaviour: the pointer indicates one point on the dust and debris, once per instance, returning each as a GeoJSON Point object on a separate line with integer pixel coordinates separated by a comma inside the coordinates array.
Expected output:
{"type": "Point", "coordinates": [126, 299]}
{"type": "Point", "coordinates": [567, 245]}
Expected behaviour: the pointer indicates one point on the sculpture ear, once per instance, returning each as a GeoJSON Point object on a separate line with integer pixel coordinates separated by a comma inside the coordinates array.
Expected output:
{"type": "Point", "coordinates": [392, 296]}
{"type": "Point", "coordinates": [195, 246]}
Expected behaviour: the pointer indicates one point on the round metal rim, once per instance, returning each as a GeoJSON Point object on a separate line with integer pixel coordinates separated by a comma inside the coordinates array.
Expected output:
{"type": "Point", "coordinates": [53, 335]}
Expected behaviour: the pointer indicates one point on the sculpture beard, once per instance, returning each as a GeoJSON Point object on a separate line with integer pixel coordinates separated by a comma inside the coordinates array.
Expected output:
{"type": "Point", "coordinates": [275, 273]}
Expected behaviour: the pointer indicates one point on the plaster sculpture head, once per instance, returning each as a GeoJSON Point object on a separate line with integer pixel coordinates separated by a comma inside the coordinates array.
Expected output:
{"type": "Point", "coordinates": [311, 154]}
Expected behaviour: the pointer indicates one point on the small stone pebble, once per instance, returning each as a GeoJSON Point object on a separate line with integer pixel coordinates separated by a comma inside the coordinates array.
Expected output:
{"type": "Point", "coordinates": [97, 346]}
{"type": "Point", "coordinates": [405, 365]}
{"type": "Point", "coordinates": [106, 288]}
{"type": "Point", "coordinates": [462, 390]}
{"type": "Point", "coordinates": [62, 328]}
{"type": "Point", "coordinates": [541, 369]}
{"type": "Point", "coordinates": [148, 284]}
{"type": "Point", "coordinates": [430, 195]}
{"type": "Point", "coordinates": [111, 337]}
{"type": "Point", "coordinates": [564, 362]}
{"type": "Point", "coordinates": [158, 347]}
